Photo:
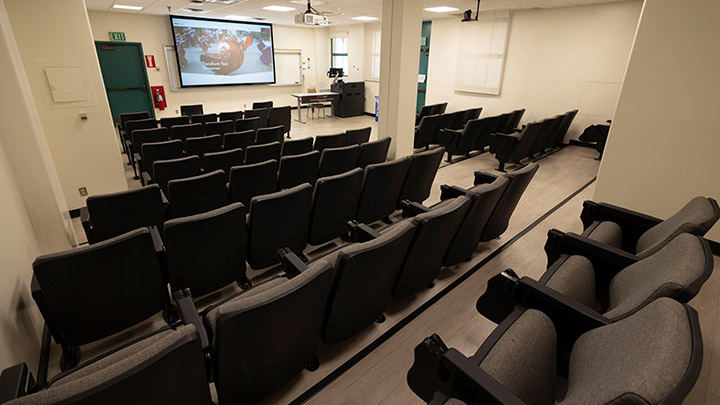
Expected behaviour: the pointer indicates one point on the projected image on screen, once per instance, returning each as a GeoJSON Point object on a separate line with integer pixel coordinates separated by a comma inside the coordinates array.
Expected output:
{"type": "Point", "coordinates": [219, 52]}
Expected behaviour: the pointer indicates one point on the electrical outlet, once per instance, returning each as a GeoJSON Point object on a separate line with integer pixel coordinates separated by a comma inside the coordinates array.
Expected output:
{"type": "Point", "coordinates": [82, 191]}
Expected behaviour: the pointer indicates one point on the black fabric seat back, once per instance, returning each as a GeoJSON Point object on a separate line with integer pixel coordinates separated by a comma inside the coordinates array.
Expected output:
{"type": "Point", "coordinates": [297, 146]}
{"type": "Point", "coordinates": [270, 134]}
{"type": "Point", "coordinates": [170, 122]}
{"type": "Point", "coordinates": [130, 126]}
{"type": "Point", "coordinates": [154, 151]}
{"type": "Point", "coordinates": [280, 116]}
{"type": "Point", "coordinates": [172, 169]}
{"type": "Point", "coordinates": [252, 180]}
{"type": "Point", "coordinates": [515, 119]}
{"type": "Point", "coordinates": [488, 127]}
{"type": "Point", "coordinates": [189, 110]}
{"type": "Point", "coordinates": [426, 131]}
{"type": "Point", "coordinates": [563, 130]}
{"type": "Point", "coordinates": [424, 111]}
{"type": "Point", "coordinates": [151, 135]}
{"type": "Point", "coordinates": [420, 175]}
{"type": "Point", "coordinates": [329, 141]}
{"type": "Point", "coordinates": [357, 136]}
{"type": "Point", "coordinates": [261, 153]}
{"type": "Point", "coordinates": [206, 252]}
{"type": "Point", "coordinates": [257, 105]}
{"type": "Point", "coordinates": [248, 123]}
{"type": "Point", "coordinates": [526, 141]}
{"type": "Point", "coordinates": [548, 125]}
{"type": "Point", "coordinates": [202, 145]}
{"type": "Point", "coordinates": [374, 152]}
{"type": "Point", "coordinates": [134, 116]}
{"type": "Point", "coordinates": [338, 160]}
{"type": "Point", "coordinates": [435, 231]}
{"type": "Point", "coordinates": [278, 220]}
{"type": "Point", "coordinates": [114, 214]}
{"type": "Point", "coordinates": [75, 294]}
{"type": "Point", "coordinates": [500, 217]}
{"type": "Point", "coordinates": [335, 200]}
{"type": "Point", "coordinates": [231, 115]}
{"type": "Point", "coordinates": [242, 140]}
{"type": "Point", "coordinates": [382, 185]}
{"type": "Point", "coordinates": [439, 109]}
{"type": "Point", "coordinates": [298, 169]}
{"type": "Point", "coordinates": [203, 118]}
{"type": "Point", "coordinates": [223, 160]}
{"type": "Point", "coordinates": [261, 113]}
{"type": "Point", "coordinates": [198, 194]}
{"type": "Point", "coordinates": [447, 121]}
{"type": "Point", "coordinates": [364, 275]}
{"type": "Point", "coordinates": [503, 122]}
{"type": "Point", "coordinates": [183, 132]}
{"type": "Point", "coordinates": [468, 139]}
{"type": "Point", "coordinates": [219, 128]}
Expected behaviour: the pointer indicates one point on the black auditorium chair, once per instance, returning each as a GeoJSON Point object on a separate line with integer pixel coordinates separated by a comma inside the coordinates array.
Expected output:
{"type": "Point", "coordinates": [147, 370]}
{"type": "Point", "coordinates": [280, 116]}
{"type": "Point", "coordinates": [248, 181]}
{"type": "Point", "coordinates": [297, 146]}
{"type": "Point", "coordinates": [189, 110]}
{"type": "Point", "coordinates": [426, 131]}
{"type": "Point", "coordinates": [448, 120]}
{"type": "Point", "coordinates": [231, 115]}
{"type": "Point", "coordinates": [512, 148]}
{"type": "Point", "coordinates": [262, 105]}
{"type": "Point", "coordinates": [143, 136]}
{"type": "Point", "coordinates": [202, 145]}
{"type": "Point", "coordinates": [424, 111]}
{"type": "Point", "coordinates": [335, 200]}
{"type": "Point", "coordinates": [420, 175]}
{"type": "Point", "coordinates": [382, 185]}
{"type": "Point", "coordinates": [439, 108]}
{"type": "Point", "coordinates": [130, 127]}
{"type": "Point", "coordinates": [357, 136]}
{"type": "Point", "coordinates": [197, 194]}
{"type": "Point", "coordinates": [467, 115]}
{"type": "Point", "coordinates": [338, 160]}
{"type": "Point", "coordinates": [248, 123]}
{"type": "Point", "coordinates": [109, 215]}
{"type": "Point", "coordinates": [515, 120]}
{"type": "Point", "coordinates": [298, 169]}
{"type": "Point", "coordinates": [73, 295]}
{"type": "Point", "coordinates": [463, 141]}
{"type": "Point", "coordinates": [329, 141]}
{"type": "Point", "coordinates": [269, 135]}
{"type": "Point", "coordinates": [484, 136]}
{"type": "Point", "coordinates": [206, 252]}
{"type": "Point", "coordinates": [166, 170]}
{"type": "Point", "coordinates": [260, 113]}
{"type": "Point", "coordinates": [242, 140]}
{"type": "Point", "coordinates": [251, 363]}
{"type": "Point", "coordinates": [504, 122]}
{"type": "Point", "coordinates": [170, 122]}
{"type": "Point", "coordinates": [183, 132]}
{"type": "Point", "coordinates": [364, 276]}
{"type": "Point", "coordinates": [134, 116]}
{"type": "Point", "coordinates": [151, 152]}
{"type": "Point", "coordinates": [278, 220]}
{"type": "Point", "coordinates": [203, 118]}
{"type": "Point", "coordinates": [261, 153]}
{"type": "Point", "coordinates": [652, 357]}
{"type": "Point", "coordinates": [219, 128]}
{"type": "Point", "coordinates": [548, 130]}
{"type": "Point", "coordinates": [223, 160]}
{"type": "Point", "coordinates": [435, 229]}
{"type": "Point", "coordinates": [374, 152]}
{"type": "Point", "coordinates": [562, 131]}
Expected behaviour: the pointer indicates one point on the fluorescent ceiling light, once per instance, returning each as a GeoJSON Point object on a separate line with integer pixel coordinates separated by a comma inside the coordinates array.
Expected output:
{"type": "Point", "coordinates": [239, 17]}
{"type": "Point", "coordinates": [365, 18]}
{"type": "Point", "coordinates": [226, 2]}
{"type": "Point", "coordinates": [278, 8]}
{"type": "Point", "coordinates": [441, 9]}
{"type": "Point", "coordinates": [123, 7]}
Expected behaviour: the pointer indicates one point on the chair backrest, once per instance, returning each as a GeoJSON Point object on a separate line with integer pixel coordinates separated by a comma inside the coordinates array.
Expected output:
{"type": "Point", "coordinates": [203, 118]}
{"type": "Point", "coordinates": [440, 108]}
{"type": "Point", "coordinates": [114, 214]}
{"type": "Point", "coordinates": [261, 153]}
{"type": "Point", "coordinates": [357, 136]}
{"type": "Point", "coordinates": [424, 111]}
{"type": "Point", "coordinates": [468, 140]}
{"type": "Point", "coordinates": [329, 141]}
{"type": "Point", "coordinates": [206, 252]}
{"type": "Point", "coordinates": [254, 123]}
{"type": "Point", "coordinates": [503, 122]}
{"type": "Point", "coordinates": [338, 160]}
{"type": "Point", "coordinates": [276, 355]}
{"type": "Point", "coordinates": [170, 122]}
{"type": "Point", "coordinates": [280, 116]}
{"type": "Point", "coordinates": [134, 116]}
{"type": "Point", "coordinates": [142, 136]}
{"type": "Point", "coordinates": [421, 174]}
{"type": "Point", "coordinates": [75, 292]}
{"type": "Point", "coordinates": [298, 169]}
{"type": "Point", "coordinates": [425, 132]}
{"type": "Point", "coordinates": [562, 131]}
{"type": "Point", "coordinates": [242, 140]}
{"type": "Point", "coordinates": [202, 145]}
{"type": "Point", "coordinates": [270, 134]}
{"type": "Point", "coordinates": [197, 194]}
{"type": "Point", "coordinates": [189, 110]}
{"type": "Point", "coordinates": [374, 152]}
{"type": "Point", "coordinates": [262, 104]}
{"type": "Point", "coordinates": [500, 217]}
{"type": "Point", "coordinates": [335, 201]}
{"type": "Point", "coordinates": [548, 127]}
{"type": "Point", "coordinates": [183, 132]}
{"type": "Point", "coordinates": [147, 123]}
{"type": "Point", "coordinates": [278, 220]}
{"type": "Point", "coordinates": [527, 140]}
{"type": "Point", "coordinates": [488, 128]}
{"type": "Point", "coordinates": [220, 127]}
{"type": "Point", "coordinates": [252, 180]}
{"type": "Point", "coordinates": [447, 121]}
{"type": "Point", "coordinates": [232, 116]}
{"type": "Point", "coordinates": [223, 160]}
{"type": "Point", "coordinates": [261, 113]}
{"type": "Point", "coordinates": [515, 119]}
{"type": "Point", "coordinates": [364, 276]}
{"type": "Point", "coordinates": [381, 189]}
{"type": "Point", "coordinates": [297, 146]}
{"type": "Point", "coordinates": [151, 152]}
{"type": "Point", "coordinates": [171, 169]}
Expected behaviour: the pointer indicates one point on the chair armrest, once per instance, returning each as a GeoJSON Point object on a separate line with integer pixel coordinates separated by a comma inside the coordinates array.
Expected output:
{"type": "Point", "coordinates": [447, 192]}
{"type": "Point", "coordinates": [146, 179]}
{"type": "Point", "coordinates": [361, 232]}
{"type": "Point", "coordinates": [412, 208]}
{"type": "Point", "coordinates": [87, 226]}
{"type": "Point", "coordinates": [632, 223]}
{"type": "Point", "coordinates": [484, 178]}
{"type": "Point", "coordinates": [607, 259]}
{"type": "Point", "coordinates": [164, 199]}
{"type": "Point", "coordinates": [292, 265]}
{"type": "Point", "coordinates": [189, 314]}
{"type": "Point", "coordinates": [157, 240]}
{"type": "Point", "coordinates": [500, 141]}
{"type": "Point", "coordinates": [137, 157]}
{"type": "Point", "coordinates": [14, 382]}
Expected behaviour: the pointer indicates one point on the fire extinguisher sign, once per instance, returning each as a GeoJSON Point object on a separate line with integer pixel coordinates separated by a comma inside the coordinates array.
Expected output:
{"type": "Point", "coordinates": [150, 61]}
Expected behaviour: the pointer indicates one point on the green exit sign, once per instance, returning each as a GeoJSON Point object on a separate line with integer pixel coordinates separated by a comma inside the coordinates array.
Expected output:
{"type": "Point", "coordinates": [117, 36]}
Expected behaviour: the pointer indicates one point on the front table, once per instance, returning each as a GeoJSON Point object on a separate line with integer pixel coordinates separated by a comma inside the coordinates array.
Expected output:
{"type": "Point", "coordinates": [307, 98]}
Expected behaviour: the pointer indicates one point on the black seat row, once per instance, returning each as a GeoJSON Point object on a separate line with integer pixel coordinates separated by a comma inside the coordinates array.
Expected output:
{"type": "Point", "coordinates": [475, 135]}
{"type": "Point", "coordinates": [431, 109]}
{"type": "Point", "coordinates": [430, 130]}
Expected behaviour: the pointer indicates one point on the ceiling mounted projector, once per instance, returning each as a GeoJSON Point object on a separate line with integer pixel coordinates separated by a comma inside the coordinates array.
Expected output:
{"type": "Point", "coordinates": [311, 17]}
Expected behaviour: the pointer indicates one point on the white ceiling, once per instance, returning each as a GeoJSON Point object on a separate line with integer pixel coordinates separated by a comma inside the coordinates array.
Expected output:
{"type": "Point", "coordinates": [343, 10]}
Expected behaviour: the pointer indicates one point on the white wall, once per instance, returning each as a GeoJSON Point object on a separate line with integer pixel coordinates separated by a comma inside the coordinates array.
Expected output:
{"type": "Point", "coordinates": [557, 59]}
{"type": "Point", "coordinates": [664, 143]}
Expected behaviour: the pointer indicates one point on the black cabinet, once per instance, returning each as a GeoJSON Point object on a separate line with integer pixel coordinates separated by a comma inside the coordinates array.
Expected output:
{"type": "Point", "coordinates": [351, 102]}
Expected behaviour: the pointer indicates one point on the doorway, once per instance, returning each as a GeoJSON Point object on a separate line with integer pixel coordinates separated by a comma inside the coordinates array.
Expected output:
{"type": "Point", "coordinates": [424, 57]}
{"type": "Point", "coordinates": [125, 77]}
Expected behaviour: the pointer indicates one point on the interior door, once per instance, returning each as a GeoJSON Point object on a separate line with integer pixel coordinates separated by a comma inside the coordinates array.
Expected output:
{"type": "Point", "coordinates": [424, 57]}
{"type": "Point", "coordinates": [126, 83]}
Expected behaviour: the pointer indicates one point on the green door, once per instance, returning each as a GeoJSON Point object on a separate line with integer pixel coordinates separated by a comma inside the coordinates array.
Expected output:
{"type": "Point", "coordinates": [126, 83]}
{"type": "Point", "coordinates": [424, 56]}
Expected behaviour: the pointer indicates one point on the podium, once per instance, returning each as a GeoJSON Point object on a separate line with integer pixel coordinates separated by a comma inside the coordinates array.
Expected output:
{"type": "Point", "coordinates": [351, 102]}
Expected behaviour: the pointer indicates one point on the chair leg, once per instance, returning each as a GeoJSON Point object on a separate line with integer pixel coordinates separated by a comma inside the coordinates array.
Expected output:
{"type": "Point", "coordinates": [314, 364]}
{"type": "Point", "coordinates": [70, 356]}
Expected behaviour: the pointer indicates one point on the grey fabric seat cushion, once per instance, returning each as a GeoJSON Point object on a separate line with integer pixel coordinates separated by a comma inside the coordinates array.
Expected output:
{"type": "Point", "coordinates": [608, 233]}
{"type": "Point", "coordinates": [670, 270]}
{"type": "Point", "coordinates": [575, 278]}
{"type": "Point", "coordinates": [523, 359]}
{"type": "Point", "coordinates": [637, 360]}
{"type": "Point", "coordinates": [696, 217]}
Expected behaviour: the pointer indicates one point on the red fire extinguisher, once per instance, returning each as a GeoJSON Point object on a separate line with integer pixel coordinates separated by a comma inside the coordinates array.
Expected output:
{"type": "Point", "coordinates": [158, 93]}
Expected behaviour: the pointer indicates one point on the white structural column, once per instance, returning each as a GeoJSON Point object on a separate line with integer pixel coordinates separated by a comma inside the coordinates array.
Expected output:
{"type": "Point", "coordinates": [399, 60]}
